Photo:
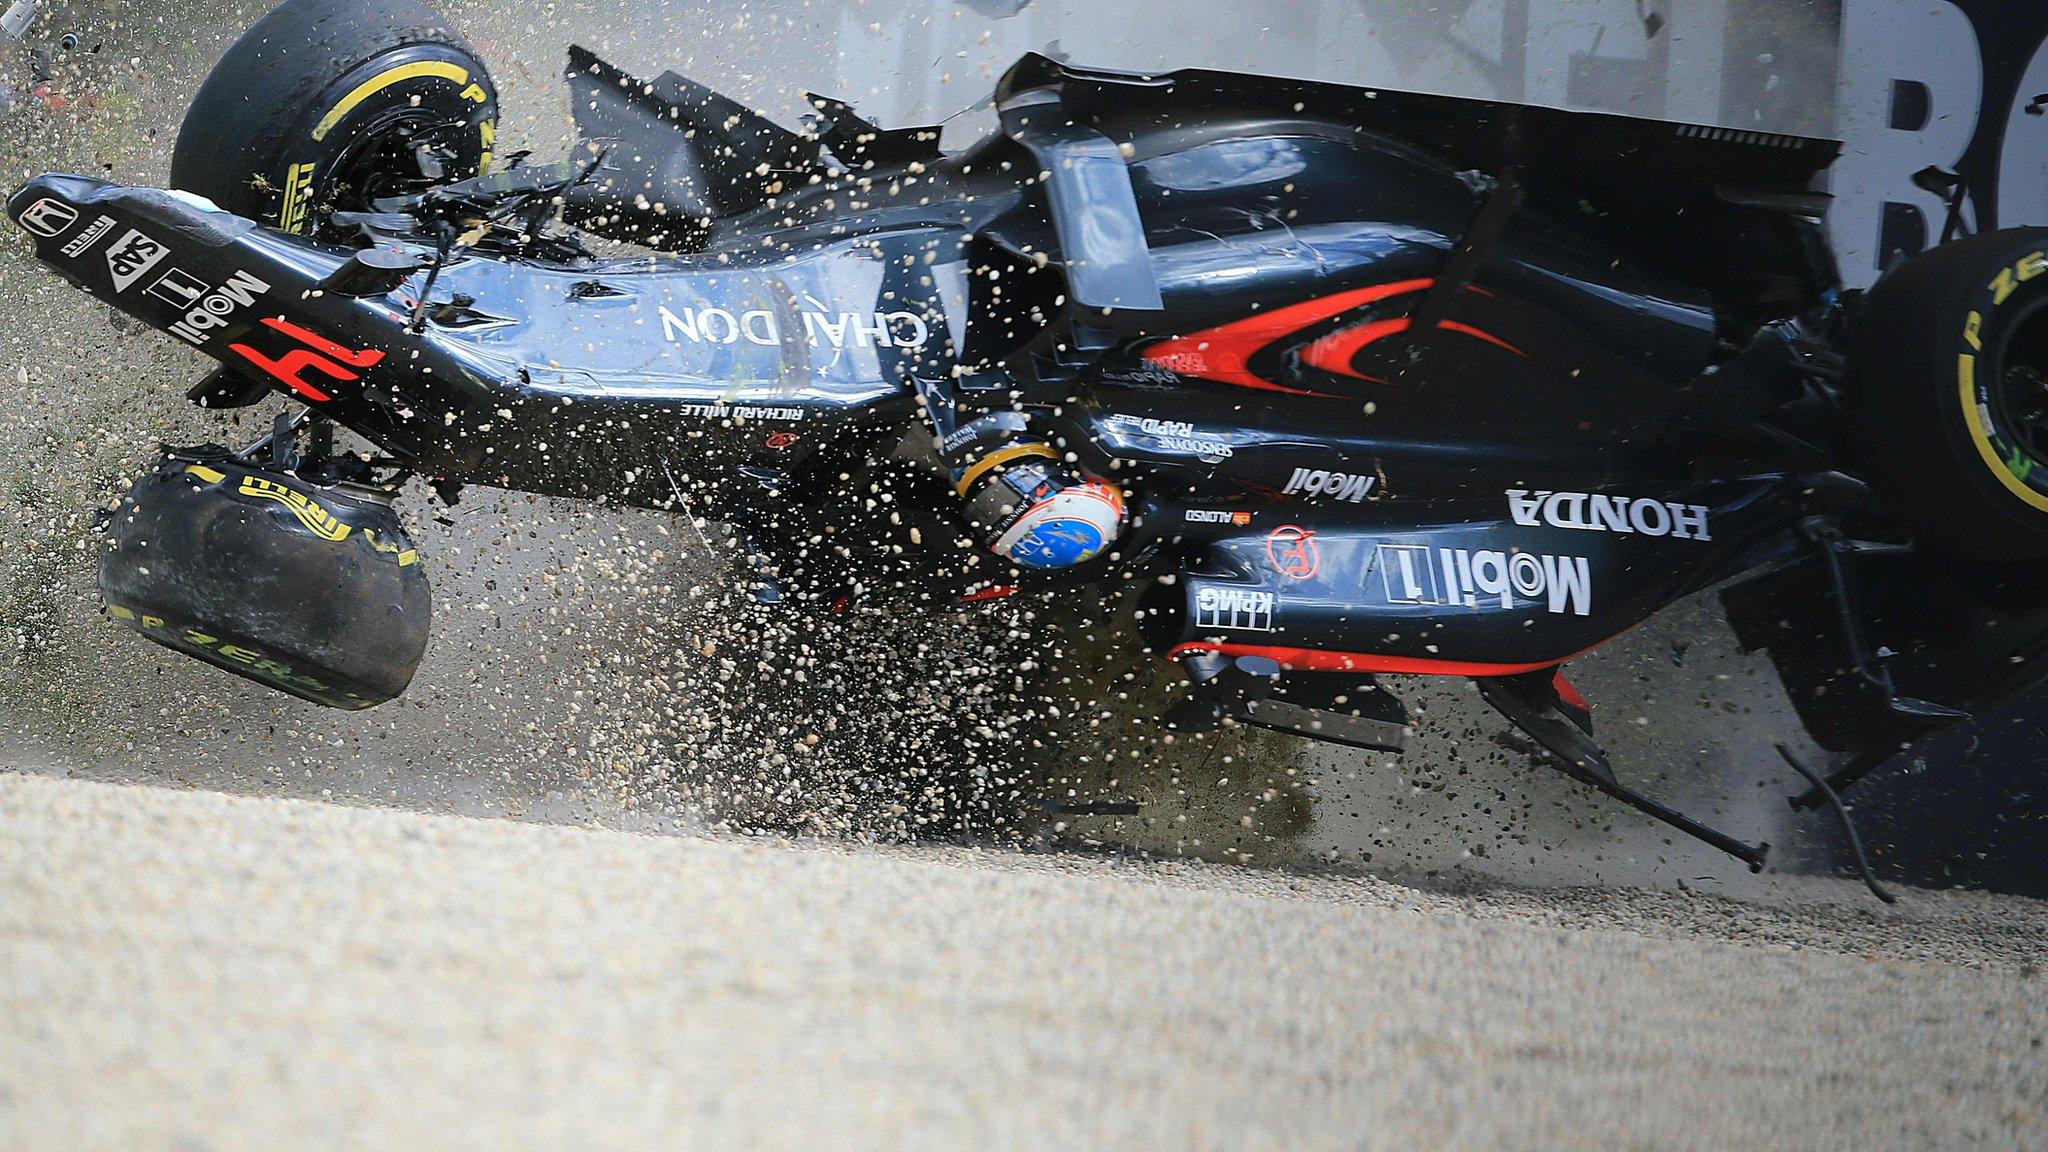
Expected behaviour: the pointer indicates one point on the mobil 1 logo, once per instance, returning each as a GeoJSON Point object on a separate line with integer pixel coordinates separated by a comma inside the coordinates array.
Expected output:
{"type": "Point", "coordinates": [1417, 574]}
{"type": "Point", "coordinates": [205, 307]}
{"type": "Point", "coordinates": [178, 288]}
{"type": "Point", "coordinates": [1350, 487]}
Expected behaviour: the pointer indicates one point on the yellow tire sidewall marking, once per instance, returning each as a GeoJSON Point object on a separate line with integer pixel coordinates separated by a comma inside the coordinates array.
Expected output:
{"type": "Point", "coordinates": [385, 79]}
{"type": "Point", "coordinates": [298, 197]}
{"type": "Point", "coordinates": [319, 521]}
{"type": "Point", "coordinates": [1966, 379]}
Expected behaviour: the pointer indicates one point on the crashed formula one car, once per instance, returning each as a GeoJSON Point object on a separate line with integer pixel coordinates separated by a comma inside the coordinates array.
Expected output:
{"type": "Point", "coordinates": [1351, 382]}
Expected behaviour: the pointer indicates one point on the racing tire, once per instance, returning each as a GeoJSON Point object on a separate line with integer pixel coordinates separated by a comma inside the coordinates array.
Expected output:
{"type": "Point", "coordinates": [324, 105]}
{"type": "Point", "coordinates": [1951, 351]}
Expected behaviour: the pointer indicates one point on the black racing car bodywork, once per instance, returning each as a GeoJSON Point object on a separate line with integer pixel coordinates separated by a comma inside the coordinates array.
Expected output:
{"type": "Point", "coordinates": [1390, 383]}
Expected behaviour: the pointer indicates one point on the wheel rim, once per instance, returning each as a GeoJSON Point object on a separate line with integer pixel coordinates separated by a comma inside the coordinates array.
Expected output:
{"type": "Point", "coordinates": [385, 159]}
{"type": "Point", "coordinates": [2019, 394]}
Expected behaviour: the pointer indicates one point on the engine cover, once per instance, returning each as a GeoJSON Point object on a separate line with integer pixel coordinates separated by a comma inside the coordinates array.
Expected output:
{"type": "Point", "coordinates": [312, 590]}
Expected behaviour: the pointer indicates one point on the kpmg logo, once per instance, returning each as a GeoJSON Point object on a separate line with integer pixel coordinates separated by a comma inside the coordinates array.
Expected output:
{"type": "Point", "coordinates": [1234, 609]}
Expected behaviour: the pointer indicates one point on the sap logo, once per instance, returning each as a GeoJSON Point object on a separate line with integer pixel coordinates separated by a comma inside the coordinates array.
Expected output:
{"type": "Point", "coordinates": [206, 311]}
{"type": "Point", "coordinates": [131, 256]}
{"type": "Point", "coordinates": [1461, 577]}
{"type": "Point", "coordinates": [1352, 489]}
{"type": "Point", "coordinates": [760, 326]}
{"type": "Point", "coordinates": [319, 355]}
{"type": "Point", "coordinates": [1594, 512]}
{"type": "Point", "coordinates": [1235, 609]}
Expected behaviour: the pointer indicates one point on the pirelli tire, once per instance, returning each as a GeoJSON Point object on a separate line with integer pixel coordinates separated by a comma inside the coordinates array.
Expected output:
{"type": "Point", "coordinates": [1951, 359]}
{"type": "Point", "coordinates": [323, 105]}
{"type": "Point", "coordinates": [314, 590]}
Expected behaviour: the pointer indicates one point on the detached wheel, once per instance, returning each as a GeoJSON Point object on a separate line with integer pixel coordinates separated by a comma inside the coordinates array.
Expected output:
{"type": "Point", "coordinates": [1952, 355]}
{"type": "Point", "coordinates": [324, 105]}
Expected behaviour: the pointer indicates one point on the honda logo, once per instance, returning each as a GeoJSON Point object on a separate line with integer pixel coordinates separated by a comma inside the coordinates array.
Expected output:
{"type": "Point", "coordinates": [49, 217]}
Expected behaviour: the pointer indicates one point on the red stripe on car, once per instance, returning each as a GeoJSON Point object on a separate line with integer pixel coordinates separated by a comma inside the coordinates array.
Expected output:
{"type": "Point", "coordinates": [1224, 352]}
{"type": "Point", "coordinates": [1322, 660]}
